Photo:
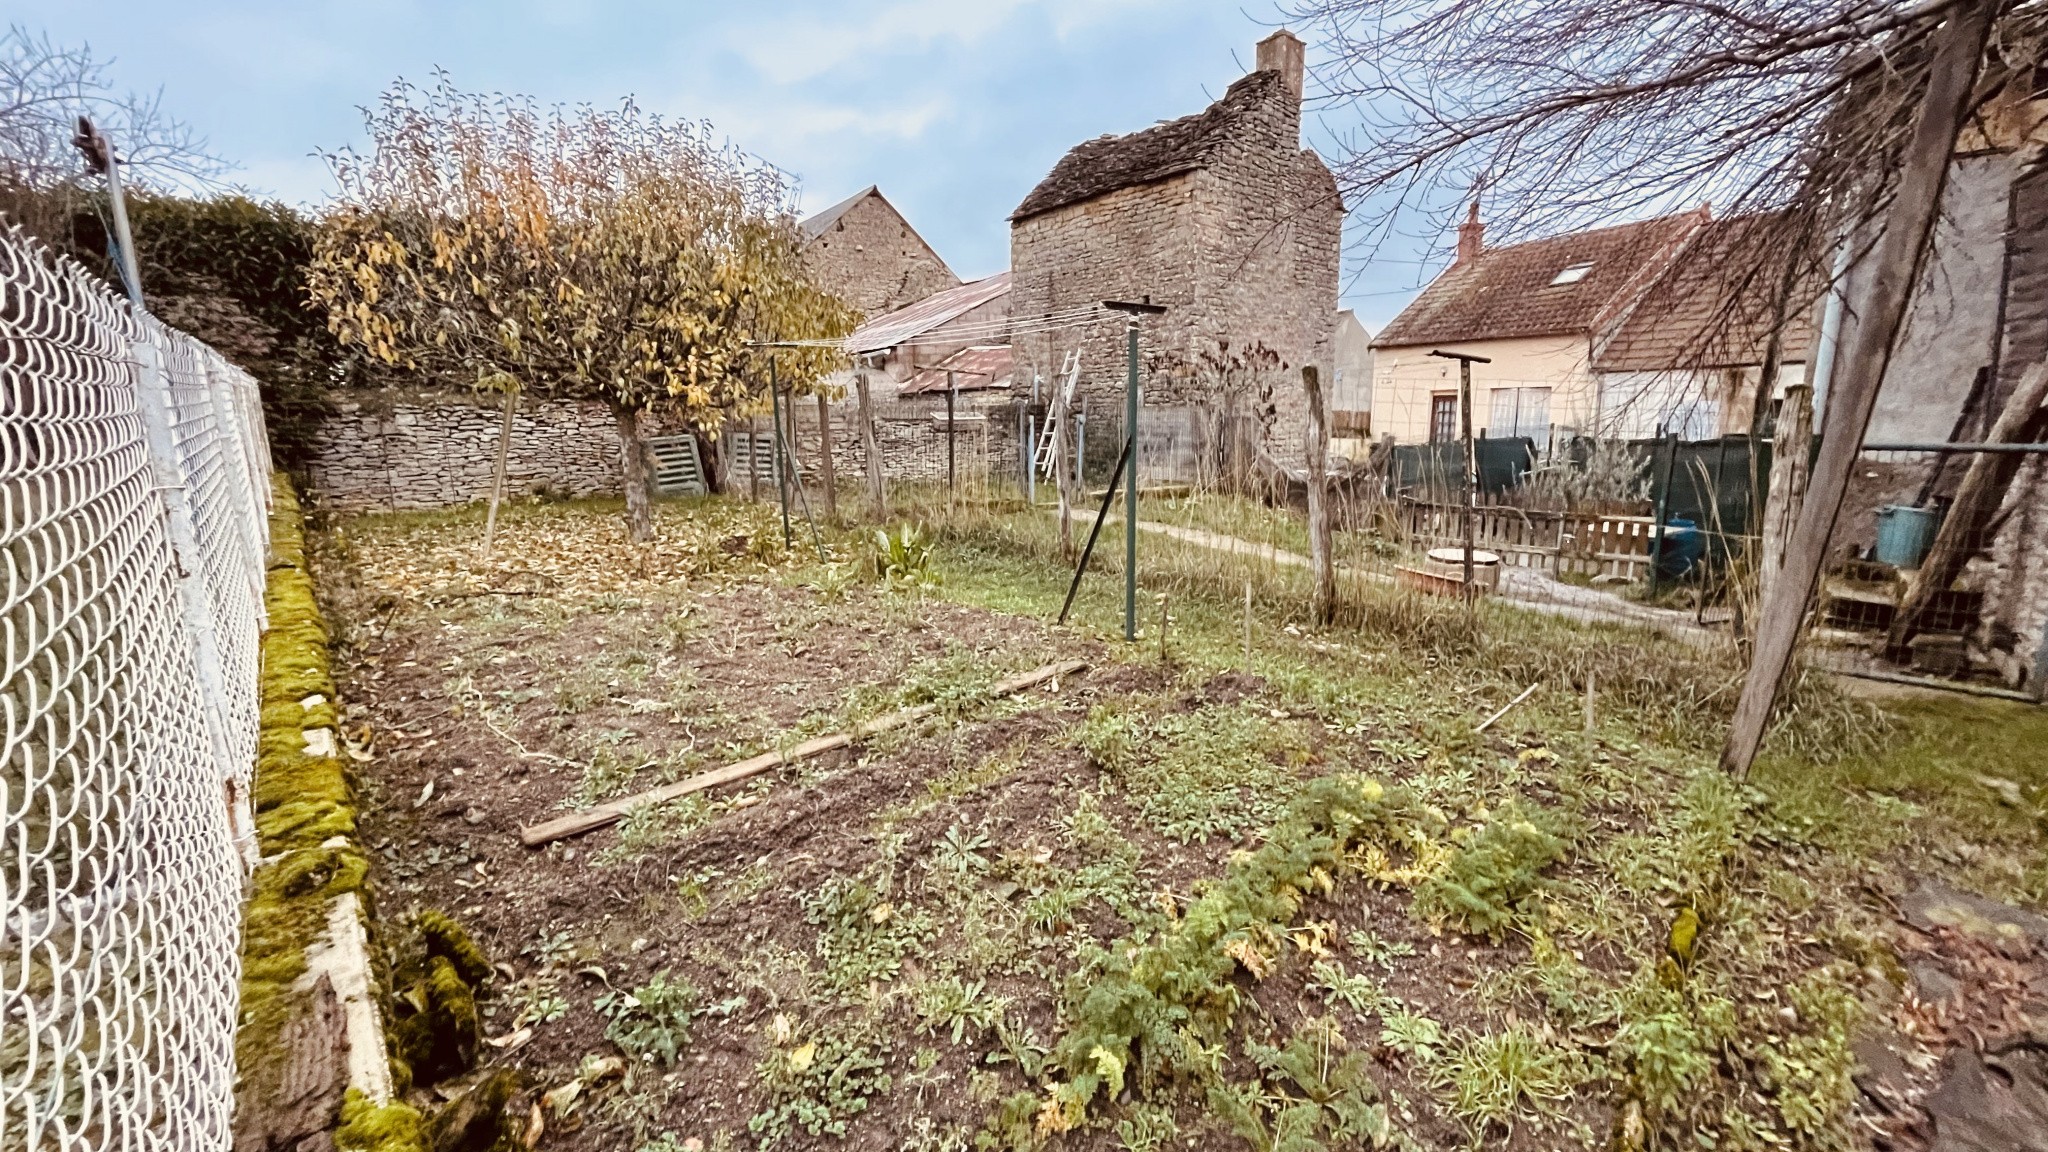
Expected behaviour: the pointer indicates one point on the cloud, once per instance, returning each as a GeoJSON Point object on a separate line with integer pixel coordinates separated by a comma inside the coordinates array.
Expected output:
{"type": "Point", "coordinates": [792, 51]}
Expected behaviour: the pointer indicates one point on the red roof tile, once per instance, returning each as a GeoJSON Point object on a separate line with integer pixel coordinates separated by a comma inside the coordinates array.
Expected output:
{"type": "Point", "coordinates": [1712, 308]}
{"type": "Point", "coordinates": [1508, 292]}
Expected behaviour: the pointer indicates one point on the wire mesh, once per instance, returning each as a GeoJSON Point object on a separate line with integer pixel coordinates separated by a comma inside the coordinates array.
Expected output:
{"type": "Point", "coordinates": [121, 773]}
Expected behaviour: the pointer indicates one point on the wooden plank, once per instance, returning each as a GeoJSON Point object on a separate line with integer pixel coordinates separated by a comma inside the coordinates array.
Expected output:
{"type": "Point", "coordinates": [603, 815]}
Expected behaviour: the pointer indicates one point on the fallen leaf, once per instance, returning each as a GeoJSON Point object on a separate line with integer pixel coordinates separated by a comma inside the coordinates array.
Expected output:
{"type": "Point", "coordinates": [536, 1124]}
{"type": "Point", "coordinates": [801, 1059]}
{"type": "Point", "coordinates": [511, 1040]}
{"type": "Point", "coordinates": [426, 794]}
{"type": "Point", "coordinates": [562, 1101]}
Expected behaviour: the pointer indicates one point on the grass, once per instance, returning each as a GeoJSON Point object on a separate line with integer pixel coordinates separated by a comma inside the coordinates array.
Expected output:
{"type": "Point", "coordinates": [1280, 899]}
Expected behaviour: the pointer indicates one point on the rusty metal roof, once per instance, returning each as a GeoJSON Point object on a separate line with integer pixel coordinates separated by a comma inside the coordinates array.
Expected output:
{"type": "Point", "coordinates": [974, 369]}
{"type": "Point", "coordinates": [906, 324]}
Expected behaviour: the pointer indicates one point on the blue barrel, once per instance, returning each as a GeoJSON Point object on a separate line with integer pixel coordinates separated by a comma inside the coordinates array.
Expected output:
{"type": "Point", "coordinates": [1681, 550]}
{"type": "Point", "coordinates": [1905, 534]}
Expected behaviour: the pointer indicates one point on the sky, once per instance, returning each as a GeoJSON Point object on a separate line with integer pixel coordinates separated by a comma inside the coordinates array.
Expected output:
{"type": "Point", "coordinates": [955, 108]}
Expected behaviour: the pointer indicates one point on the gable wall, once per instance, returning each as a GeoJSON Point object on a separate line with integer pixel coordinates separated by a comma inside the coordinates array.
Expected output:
{"type": "Point", "coordinates": [872, 258]}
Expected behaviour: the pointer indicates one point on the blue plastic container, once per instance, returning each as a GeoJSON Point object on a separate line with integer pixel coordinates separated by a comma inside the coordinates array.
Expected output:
{"type": "Point", "coordinates": [1681, 550]}
{"type": "Point", "coordinates": [1905, 534]}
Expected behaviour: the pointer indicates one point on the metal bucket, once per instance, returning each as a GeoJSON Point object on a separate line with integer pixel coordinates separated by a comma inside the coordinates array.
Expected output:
{"type": "Point", "coordinates": [1905, 534]}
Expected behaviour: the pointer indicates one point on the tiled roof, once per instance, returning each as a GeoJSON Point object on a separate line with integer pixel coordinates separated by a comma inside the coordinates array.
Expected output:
{"type": "Point", "coordinates": [906, 324]}
{"type": "Point", "coordinates": [1712, 309]}
{"type": "Point", "coordinates": [974, 370]}
{"type": "Point", "coordinates": [1507, 292]}
{"type": "Point", "coordinates": [1107, 163]}
{"type": "Point", "coordinates": [815, 226]}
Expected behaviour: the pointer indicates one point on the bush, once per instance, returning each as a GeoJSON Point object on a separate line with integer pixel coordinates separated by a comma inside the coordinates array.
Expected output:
{"type": "Point", "coordinates": [1497, 868]}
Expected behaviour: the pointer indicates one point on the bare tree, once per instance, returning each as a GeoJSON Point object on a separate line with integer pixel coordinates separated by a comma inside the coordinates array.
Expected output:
{"type": "Point", "coordinates": [45, 87]}
{"type": "Point", "coordinates": [1565, 112]}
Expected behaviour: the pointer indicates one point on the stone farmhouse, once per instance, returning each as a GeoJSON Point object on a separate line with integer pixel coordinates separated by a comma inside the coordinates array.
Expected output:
{"type": "Point", "coordinates": [863, 250]}
{"type": "Point", "coordinates": [1223, 218]}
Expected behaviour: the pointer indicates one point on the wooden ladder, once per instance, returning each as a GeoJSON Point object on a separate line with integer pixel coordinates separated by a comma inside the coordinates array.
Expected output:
{"type": "Point", "coordinates": [1070, 373]}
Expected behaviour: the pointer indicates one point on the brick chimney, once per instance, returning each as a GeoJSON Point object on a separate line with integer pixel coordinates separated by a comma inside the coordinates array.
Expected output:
{"type": "Point", "coordinates": [1282, 52]}
{"type": "Point", "coordinates": [1471, 235]}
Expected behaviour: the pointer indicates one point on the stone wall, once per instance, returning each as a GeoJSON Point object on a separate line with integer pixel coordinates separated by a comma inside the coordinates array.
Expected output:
{"type": "Point", "coordinates": [873, 259]}
{"type": "Point", "coordinates": [1243, 253]}
{"type": "Point", "coordinates": [437, 449]}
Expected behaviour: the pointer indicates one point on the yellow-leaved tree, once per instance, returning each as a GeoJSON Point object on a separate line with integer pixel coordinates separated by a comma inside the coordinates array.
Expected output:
{"type": "Point", "coordinates": [576, 252]}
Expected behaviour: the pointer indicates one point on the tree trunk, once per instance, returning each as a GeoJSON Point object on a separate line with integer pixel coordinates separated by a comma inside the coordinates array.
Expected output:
{"type": "Point", "coordinates": [1897, 260]}
{"type": "Point", "coordinates": [825, 466]}
{"type": "Point", "coordinates": [1985, 484]}
{"type": "Point", "coordinates": [1323, 605]}
{"type": "Point", "coordinates": [1791, 451]}
{"type": "Point", "coordinates": [638, 477]}
{"type": "Point", "coordinates": [877, 497]}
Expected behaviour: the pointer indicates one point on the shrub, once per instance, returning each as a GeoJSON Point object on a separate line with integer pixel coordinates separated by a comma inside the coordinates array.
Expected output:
{"type": "Point", "coordinates": [1485, 883]}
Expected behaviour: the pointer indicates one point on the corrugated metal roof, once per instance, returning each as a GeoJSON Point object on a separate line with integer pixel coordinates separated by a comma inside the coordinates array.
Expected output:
{"type": "Point", "coordinates": [906, 324]}
{"type": "Point", "coordinates": [974, 370]}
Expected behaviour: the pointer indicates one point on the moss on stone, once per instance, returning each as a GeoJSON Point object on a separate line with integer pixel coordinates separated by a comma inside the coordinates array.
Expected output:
{"type": "Point", "coordinates": [438, 1036]}
{"type": "Point", "coordinates": [367, 1126]}
{"type": "Point", "coordinates": [441, 935]}
{"type": "Point", "coordinates": [303, 803]}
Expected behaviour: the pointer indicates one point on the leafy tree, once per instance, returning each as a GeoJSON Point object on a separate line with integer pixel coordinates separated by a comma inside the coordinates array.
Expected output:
{"type": "Point", "coordinates": [608, 255]}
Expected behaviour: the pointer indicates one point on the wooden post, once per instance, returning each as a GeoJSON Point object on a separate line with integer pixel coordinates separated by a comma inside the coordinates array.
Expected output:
{"type": "Point", "coordinates": [1247, 627]}
{"type": "Point", "coordinates": [825, 466]}
{"type": "Point", "coordinates": [498, 473]}
{"type": "Point", "coordinates": [1323, 602]}
{"type": "Point", "coordinates": [1062, 471]}
{"type": "Point", "coordinates": [1983, 491]}
{"type": "Point", "coordinates": [1589, 700]}
{"type": "Point", "coordinates": [1791, 451]}
{"type": "Point", "coordinates": [1900, 252]}
{"type": "Point", "coordinates": [876, 495]}
{"type": "Point", "coordinates": [753, 458]}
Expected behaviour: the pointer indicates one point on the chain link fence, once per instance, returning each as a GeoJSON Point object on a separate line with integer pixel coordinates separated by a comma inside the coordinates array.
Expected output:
{"type": "Point", "coordinates": [133, 469]}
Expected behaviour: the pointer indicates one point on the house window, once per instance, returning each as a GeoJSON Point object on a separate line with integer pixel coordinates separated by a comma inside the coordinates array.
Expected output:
{"type": "Point", "coordinates": [1571, 275]}
{"type": "Point", "coordinates": [1443, 417]}
{"type": "Point", "coordinates": [1520, 412]}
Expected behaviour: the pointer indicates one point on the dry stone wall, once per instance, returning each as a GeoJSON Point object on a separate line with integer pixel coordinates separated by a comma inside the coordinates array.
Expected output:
{"type": "Point", "coordinates": [437, 449]}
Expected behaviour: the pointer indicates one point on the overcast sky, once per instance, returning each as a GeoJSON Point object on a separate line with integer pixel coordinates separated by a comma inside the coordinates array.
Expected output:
{"type": "Point", "coordinates": [954, 107]}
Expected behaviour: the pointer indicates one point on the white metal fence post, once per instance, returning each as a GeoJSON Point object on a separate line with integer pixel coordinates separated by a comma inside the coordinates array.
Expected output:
{"type": "Point", "coordinates": [195, 607]}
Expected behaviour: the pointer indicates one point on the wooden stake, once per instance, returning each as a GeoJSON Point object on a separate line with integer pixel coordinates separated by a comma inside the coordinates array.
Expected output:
{"type": "Point", "coordinates": [1589, 700]}
{"type": "Point", "coordinates": [498, 474]}
{"type": "Point", "coordinates": [825, 468]}
{"type": "Point", "coordinates": [876, 495]}
{"type": "Point", "coordinates": [1247, 627]}
{"type": "Point", "coordinates": [1162, 627]}
{"type": "Point", "coordinates": [604, 815]}
{"type": "Point", "coordinates": [1900, 253]}
{"type": "Point", "coordinates": [1507, 708]}
{"type": "Point", "coordinates": [1323, 602]}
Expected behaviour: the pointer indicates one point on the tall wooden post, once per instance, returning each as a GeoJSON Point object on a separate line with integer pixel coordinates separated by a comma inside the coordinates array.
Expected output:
{"type": "Point", "coordinates": [498, 471]}
{"type": "Point", "coordinates": [825, 466]}
{"type": "Point", "coordinates": [1900, 252]}
{"type": "Point", "coordinates": [876, 495]}
{"type": "Point", "coordinates": [1791, 451]}
{"type": "Point", "coordinates": [1323, 604]}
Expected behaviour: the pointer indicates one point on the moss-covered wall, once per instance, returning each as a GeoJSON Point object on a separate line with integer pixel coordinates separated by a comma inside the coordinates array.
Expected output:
{"type": "Point", "coordinates": [306, 829]}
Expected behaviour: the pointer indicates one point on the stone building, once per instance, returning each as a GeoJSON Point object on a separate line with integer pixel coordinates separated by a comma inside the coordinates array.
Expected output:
{"type": "Point", "coordinates": [863, 250]}
{"type": "Point", "coordinates": [1223, 218]}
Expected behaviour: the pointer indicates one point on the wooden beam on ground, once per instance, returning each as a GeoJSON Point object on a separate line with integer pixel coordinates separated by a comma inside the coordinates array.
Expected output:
{"type": "Point", "coordinates": [603, 815]}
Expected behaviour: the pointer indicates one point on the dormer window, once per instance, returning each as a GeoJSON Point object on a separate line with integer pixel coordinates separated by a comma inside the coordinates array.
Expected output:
{"type": "Point", "coordinates": [1571, 275]}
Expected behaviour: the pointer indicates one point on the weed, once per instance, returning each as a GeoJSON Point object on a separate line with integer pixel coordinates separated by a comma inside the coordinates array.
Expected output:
{"type": "Point", "coordinates": [1321, 1097]}
{"type": "Point", "coordinates": [903, 559]}
{"type": "Point", "coordinates": [1496, 868]}
{"type": "Point", "coordinates": [1413, 1035]}
{"type": "Point", "coordinates": [1217, 771]}
{"type": "Point", "coordinates": [817, 1085]}
{"type": "Point", "coordinates": [949, 1002]}
{"type": "Point", "coordinates": [652, 1022]}
{"type": "Point", "coordinates": [862, 935]}
{"type": "Point", "coordinates": [1358, 992]}
{"type": "Point", "coordinates": [652, 826]}
{"type": "Point", "coordinates": [1490, 1078]}
{"type": "Point", "coordinates": [1147, 1129]}
{"type": "Point", "coordinates": [1375, 950]}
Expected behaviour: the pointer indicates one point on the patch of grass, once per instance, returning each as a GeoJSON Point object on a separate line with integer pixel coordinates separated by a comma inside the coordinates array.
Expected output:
{"type": "Point", "coordinates": [863, 934]}
{"type": "Point", "coordinates": [1217, 771]}
{"type": "Point", "coordinates": [1488, 1079]}
{"type": "Point", "coordinates": [652, 1022]}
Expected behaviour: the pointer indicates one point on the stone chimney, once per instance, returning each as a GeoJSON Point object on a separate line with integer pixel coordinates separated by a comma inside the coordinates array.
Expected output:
{"type": "Point", "coordinates": [1282, 52]}
{"type": "Point", "coordinates": [1471, 235]}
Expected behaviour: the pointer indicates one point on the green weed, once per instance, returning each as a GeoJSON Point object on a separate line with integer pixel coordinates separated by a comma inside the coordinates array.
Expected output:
{"type": "Point", "coordinates": [1495, 869]}
{"type": "Point", "coordinates": [652, 1022]}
